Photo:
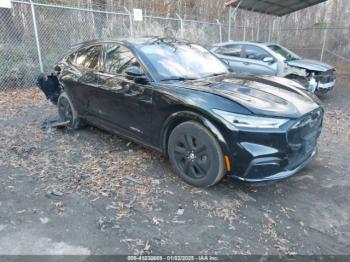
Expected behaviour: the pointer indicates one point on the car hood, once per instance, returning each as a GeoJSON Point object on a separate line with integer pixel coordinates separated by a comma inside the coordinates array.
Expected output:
{"type": "Point", "coordinates": [266, 96]}
{"type": "Point", "coordinates": [311, 65]}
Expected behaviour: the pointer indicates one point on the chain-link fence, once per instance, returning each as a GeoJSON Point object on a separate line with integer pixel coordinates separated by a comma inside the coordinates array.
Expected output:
{"type": "Point", "coordinates": [33, 36]}
{"type": "Point", "coordinates": [19, 63]}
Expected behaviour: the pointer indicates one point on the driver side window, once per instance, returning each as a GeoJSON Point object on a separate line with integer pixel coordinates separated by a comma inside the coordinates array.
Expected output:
{"type": "Point", "coordinates": [88, 57]}
{"type": "Point", "coordinates": [119, 59]}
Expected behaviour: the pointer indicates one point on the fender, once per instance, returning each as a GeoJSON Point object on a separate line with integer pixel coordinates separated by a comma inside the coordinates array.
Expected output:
{"type": "Point", "coordinates": [183, 116]}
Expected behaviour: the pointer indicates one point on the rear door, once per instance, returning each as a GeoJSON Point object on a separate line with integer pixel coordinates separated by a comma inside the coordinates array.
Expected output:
{"type": "Point", "coordinates": [252, 60]}
{"type": "Point", "coordinates": [231, 54]}
{"type": "Point", "coordinates": [121, 102]}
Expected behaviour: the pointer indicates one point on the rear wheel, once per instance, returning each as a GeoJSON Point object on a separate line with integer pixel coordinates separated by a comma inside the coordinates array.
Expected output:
{"type": "Point", "coordinates": [196, 155]}
{"type": "Point", "coordinates": [67, 112]}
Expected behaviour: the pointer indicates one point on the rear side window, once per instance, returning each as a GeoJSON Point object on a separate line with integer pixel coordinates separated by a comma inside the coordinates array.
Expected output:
{"type": "Point", "coordinates": [89, 57]}
{"type": "Point", "coordinates": [119, 59]}
{"type": "Point", "coordinates": [230, 50]}
{"type": "Point", "coordinates": [255, 53]}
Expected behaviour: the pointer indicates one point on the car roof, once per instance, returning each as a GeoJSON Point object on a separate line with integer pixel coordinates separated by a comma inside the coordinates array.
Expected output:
{"type": "Point", "coordinates": [243, 43]}
{"type": "Point", "coordinates": [129, 41]}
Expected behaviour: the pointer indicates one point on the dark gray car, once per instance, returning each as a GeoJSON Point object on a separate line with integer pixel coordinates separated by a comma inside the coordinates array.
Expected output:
{"type": "Point", "coordinates": [276, 60]}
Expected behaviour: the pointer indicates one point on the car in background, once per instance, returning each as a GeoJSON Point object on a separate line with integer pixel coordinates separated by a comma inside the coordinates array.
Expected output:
{"type": "Point", "coordinates": [179, 99]}
{"type": "Point", "coordinates": [275, 60]}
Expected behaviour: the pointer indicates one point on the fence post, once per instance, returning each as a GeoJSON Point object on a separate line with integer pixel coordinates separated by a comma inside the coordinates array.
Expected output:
{"type": "Point", "coordinates": [229, 23]}
{"type": "Point", "coordinates": [220, 29]}
{"type": "Point", "coordinates": [181, 25]}
{"type": "Point", "coordinates": [232, 12]}
{"type": "Point", "coordinates": [324, 44]}
{"type": "Point", "coordinates": [37, 41]}
{"type": "Point", "coordinates": [131, 25]}
{"type": "Point", "coordinates": [279, 37]}
{"type": "Point", "coordinates": [270, 31]}
{"type": "Point", "coordinates": [244, 30]}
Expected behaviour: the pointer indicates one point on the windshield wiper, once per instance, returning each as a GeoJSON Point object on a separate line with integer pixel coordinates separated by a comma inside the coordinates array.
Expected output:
{"type": "Point", "coordinates": [216, 74]}
{"type": "Point", "coordinates": [292, 59]}
{"type": "Point", "coordinates": [180, 78]}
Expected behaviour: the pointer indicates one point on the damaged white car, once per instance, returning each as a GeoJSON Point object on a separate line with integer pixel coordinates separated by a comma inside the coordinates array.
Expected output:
{"type": "Point", "coordinates": [276, 60]}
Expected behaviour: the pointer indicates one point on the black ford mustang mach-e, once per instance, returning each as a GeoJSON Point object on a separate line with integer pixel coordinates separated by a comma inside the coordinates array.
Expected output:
{"type": "Point", "coordinates": [178, 98]}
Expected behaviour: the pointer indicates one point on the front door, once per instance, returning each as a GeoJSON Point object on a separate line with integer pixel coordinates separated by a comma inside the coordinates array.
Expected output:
{"type": "Point", "coordinates": [253, 61]}
{"type": "Point", "coordinates": [231, 54]}
{"type": "Point", "coordinates": [122, 102]}
{"type": "Point", "coordinates": [81, 79]}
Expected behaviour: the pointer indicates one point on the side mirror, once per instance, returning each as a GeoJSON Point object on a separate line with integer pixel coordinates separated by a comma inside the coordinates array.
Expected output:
{"type": "Point", "coordinates": [226, 62]}
{"type": "Point", "coordinates": [135, 73]}
{"type": "Point", "coordinates": [269, 59]}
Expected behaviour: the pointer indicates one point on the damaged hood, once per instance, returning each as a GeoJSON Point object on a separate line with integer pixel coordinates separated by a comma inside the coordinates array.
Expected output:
{"type": "Point", "coordinates": [266, 96]}
{"type": "Point", "coordinates": [311, 65]}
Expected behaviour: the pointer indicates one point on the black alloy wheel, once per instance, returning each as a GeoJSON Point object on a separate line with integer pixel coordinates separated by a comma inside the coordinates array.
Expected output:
{"type": "Point", "coordinates": [196, 155]}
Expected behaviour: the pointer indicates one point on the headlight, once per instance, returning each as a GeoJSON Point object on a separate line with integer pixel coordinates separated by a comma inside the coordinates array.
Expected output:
{"type": "Point", "coordinates": [247, 121]}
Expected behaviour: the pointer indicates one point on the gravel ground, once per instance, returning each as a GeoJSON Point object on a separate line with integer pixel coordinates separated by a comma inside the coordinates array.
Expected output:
{"type": "Point", "coordinates": [89, 192]}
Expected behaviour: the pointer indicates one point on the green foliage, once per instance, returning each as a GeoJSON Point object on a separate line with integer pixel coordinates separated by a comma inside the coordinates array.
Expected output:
{"type": "Point", "coordinates": [19, 65]}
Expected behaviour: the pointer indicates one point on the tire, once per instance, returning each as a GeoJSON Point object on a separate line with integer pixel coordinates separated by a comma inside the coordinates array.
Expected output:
{"type": "Point", "coordinates": [67, 112]}
{"type": "Point", "coordinates": [196, 155]}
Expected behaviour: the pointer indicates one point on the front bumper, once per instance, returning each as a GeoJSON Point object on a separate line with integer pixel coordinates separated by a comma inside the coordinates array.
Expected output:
{"type": "Point", "coordinates": [325, 87]}
{"type": "Point", "coordinates": [325, 81]}
{"type": "Point", "coordinates": [269, 156]}
{"type": "Point", "coordinates": [280, 175]}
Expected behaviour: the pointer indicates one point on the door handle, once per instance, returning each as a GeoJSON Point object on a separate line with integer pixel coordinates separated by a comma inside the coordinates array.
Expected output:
{"type": "Point", "coordinates": [246, 63]}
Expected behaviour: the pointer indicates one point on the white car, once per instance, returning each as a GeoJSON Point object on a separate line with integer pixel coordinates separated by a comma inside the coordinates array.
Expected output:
{"type": "Point", "coordinates": [273, 59]}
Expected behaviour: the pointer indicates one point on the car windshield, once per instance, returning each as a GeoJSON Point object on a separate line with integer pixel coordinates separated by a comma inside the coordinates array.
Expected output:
{"type": "Point", "coordinates": [182, 61]}
{"type": "Point", "coordinates": [287, 54]}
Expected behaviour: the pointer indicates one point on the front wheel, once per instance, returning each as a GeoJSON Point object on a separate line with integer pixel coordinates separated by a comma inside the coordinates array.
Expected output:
{"type": "Point", "coordinates": [196, 155]}
{"type": "Point", "coordinates": [67, 112]}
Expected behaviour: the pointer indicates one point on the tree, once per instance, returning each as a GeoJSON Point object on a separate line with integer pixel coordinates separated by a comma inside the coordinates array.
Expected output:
{"type": "Point", "coordinates": [9, 31]}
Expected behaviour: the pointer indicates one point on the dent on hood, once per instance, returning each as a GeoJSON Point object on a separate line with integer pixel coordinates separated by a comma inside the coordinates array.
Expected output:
{"type": "Point", "coordinates": [292, 70]}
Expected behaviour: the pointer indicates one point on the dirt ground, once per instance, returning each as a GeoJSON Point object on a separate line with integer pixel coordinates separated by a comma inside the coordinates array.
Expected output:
{"type": "Point", "coordinates": [89, 192]}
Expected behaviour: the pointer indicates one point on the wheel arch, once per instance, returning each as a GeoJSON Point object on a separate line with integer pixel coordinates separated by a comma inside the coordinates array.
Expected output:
{"type": "Point", "coordinates": [190, 115]}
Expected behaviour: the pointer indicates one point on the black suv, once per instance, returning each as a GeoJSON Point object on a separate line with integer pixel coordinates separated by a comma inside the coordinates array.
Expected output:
{"type": "Point", "coordinates": [179, 99]}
